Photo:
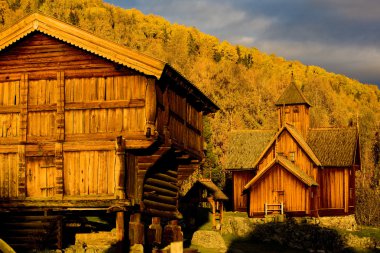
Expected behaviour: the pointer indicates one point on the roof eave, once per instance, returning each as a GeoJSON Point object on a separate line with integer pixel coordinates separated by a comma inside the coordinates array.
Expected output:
{"type": "Point", "coordinates": [192, 90]}
{"type": "Point", "coordinates": [82, 39]}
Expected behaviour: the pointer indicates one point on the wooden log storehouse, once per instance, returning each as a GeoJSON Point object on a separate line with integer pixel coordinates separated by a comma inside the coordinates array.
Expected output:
{"type": "Point", "coordinates": [296, 170]}
{"type": "Point", "coordinates": [87, 124]}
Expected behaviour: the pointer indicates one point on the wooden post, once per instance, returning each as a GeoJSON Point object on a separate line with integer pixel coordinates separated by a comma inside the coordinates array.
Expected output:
{"type": "Point", "coordinates": [59, 168]}
{"type": "Point", "coordinates": [23, 108]}
{"type": "Point", "coordinates": [150, 107]}
{"type": "Point", "coordinates": [120, 226]}
{"type": "Point", "coordinates": [212, 202]}
{"type": "Point", "coordinates": [60, 131]}
{"type": "Point", "coordinates": [23, 136]}
{"type": "Point", "coordinates": [136, 230]}
{"type": "Point", "coordinates": [60, 114]}
{"type": "Point", "coordinates": [265, 209]}
{"type": "Point", "coordinates": [120, 169]}
{"type": "Point", "coordinates": [221, 210]}
{"type": "Point", "coordinates": [21, 172]}
{"type": "Point", "coordinates": [155, 232]}
{"type": "Point", "coordinates": [172, 233]}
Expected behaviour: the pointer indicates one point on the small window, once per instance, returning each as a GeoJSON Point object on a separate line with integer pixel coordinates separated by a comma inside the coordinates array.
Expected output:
{"type": "Point", "coordinates": [292, 156]}
{"type": "Point", "coordinates": [295, 109]}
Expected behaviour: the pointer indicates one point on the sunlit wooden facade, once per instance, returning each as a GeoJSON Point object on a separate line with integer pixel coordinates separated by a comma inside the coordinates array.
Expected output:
{"type": "Point", "coordinates": [88, 124]}
{"type": "Point", "coordinates": [311, 171]}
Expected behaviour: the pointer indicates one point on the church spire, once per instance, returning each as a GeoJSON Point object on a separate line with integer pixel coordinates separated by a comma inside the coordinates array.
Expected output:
{"type": "Point", "coordinates": [293, 108]}
{"type": "Point", "coordinates": [292, 96]}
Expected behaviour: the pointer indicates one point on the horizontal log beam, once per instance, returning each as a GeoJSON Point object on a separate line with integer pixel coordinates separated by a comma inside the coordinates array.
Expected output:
{"type": "Point", "coordinates": [160, 198]}
{"type": "Point", "coordinates": [158, 190]}
{"type": "Point", "coordinates": [158, 205]}
{"type": "Point", "coordinates": [9, 109]}
{"type": "Point", "coordinates": [93, 146]}
{"type": "Point", "coordinates": [105, 104]}
{"type": "Point", "coordinates": [165, 177]}
{"type": "Point", "coordinates": [80, 202]}
{"type": "Point", "coordinates": [172, 173]}
{"type": "Point", "coordinates": [167, 214]}
{"type": "Point", "coordinates": [162, 184]}
{"type": "Point", "coordinates": [42, 108]}
{"type": "Point", "coordinates": [106, 136]}
{"type": "Point", "coordinates": [6, 149]}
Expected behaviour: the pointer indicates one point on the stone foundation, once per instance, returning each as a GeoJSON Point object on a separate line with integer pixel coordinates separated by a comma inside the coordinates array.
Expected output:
{"type": "Point", "coordinates": [341, 222]}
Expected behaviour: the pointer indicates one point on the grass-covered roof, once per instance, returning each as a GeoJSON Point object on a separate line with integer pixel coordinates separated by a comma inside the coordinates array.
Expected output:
{"type": "Point", "coordinates": [246, 146]}
{"type": "Point", "coordinates": [334, 146]}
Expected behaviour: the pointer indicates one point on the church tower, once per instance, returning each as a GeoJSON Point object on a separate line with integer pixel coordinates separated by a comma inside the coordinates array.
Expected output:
{"type": "Point", "coordinates": [293, 108]}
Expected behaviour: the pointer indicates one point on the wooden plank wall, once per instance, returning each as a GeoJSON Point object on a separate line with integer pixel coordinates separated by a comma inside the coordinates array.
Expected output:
{"type": "Point", "coordinates": [8, 176]}
{"type": "Point", "coordinates": [59, 122]}
{"type": "Point", "coordinates": [185, 122]}
{"type": "Point", "coordinates": [89, 173]}
{"type": "Point", "coordinates": [105, 105]}
{"type": "Point", "coordinates": [279, 185]}
{"type": "Point", "coordinates": [332, 188]}
{"type": "Point", "coordinates": [287, 144]}
{"type": "Point", "coordinates": [240, 179]}
{"type": "Point", "coordinates": [267, 158]}
{"type": "Point", "coordinates": [9, 111]}
{"type": "Point", "coordinates": [298, 115]}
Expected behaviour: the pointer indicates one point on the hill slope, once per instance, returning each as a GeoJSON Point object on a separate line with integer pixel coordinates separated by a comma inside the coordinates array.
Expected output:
{"type": "Point", "coordinates": [244, 82]}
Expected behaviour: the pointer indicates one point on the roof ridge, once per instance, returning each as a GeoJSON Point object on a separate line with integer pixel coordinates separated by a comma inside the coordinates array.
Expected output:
{"type": "Point", "coordinates": [251, 130]}
{"type": "Point", "coordinates": [332, 128]}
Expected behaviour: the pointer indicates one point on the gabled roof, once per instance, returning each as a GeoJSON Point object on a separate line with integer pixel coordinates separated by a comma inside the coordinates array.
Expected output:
{"type": "Point", "coordinates": [217, 193]}
{"type": "Point", "coordinates": [298, 138]}
{"type": "Point", "coordinates": [114, 52]}
{"type": "Point", "coordinates": [82, 39]}
{"type": "Point", "coordinates": [292, 96]}
{"type": "Point", "coordinates": [245, 147]}
{"type": "Point", "coordinates": [289, 166]}
{"type": "Point", "coordinates": [203, 183]}
{"type": "Point", "coordinates": [334, 146]}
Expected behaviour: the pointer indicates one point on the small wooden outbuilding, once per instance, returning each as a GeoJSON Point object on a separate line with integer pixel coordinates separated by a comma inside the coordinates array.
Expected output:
{"type": "Point", "coordinates": [205, 191]}
{"type": "Point", "coordinates": [87, 124]}
{"type": "Point", "coordinates": [298, 170]}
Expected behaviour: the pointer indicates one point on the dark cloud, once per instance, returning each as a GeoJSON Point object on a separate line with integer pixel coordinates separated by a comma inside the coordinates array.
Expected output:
{"type": "Point", "coordinates": [341, 36]}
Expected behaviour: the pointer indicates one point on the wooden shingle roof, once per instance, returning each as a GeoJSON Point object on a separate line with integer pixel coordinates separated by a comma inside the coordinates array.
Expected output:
{"type": "Point", "coordinates": [292, 96]}
{"type": "Point", "coordinates": [334, 146]}
{"type": "Point", "coordinates": [245, 147]}
{"type": "Point", "coordinates": [289, 166]}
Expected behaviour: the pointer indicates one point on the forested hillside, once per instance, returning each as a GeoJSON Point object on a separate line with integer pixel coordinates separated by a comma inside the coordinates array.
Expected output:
{"type": "Point", "coordinates": [243, 81]}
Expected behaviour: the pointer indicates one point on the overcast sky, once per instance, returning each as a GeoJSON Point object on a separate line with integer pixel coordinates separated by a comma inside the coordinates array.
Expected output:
{"type": "Point", "coordinates": [342, 36]}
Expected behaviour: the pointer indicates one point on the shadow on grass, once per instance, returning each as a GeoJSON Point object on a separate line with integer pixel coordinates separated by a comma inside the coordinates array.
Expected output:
{"type": "Point", "coordinates": [290, 237]}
